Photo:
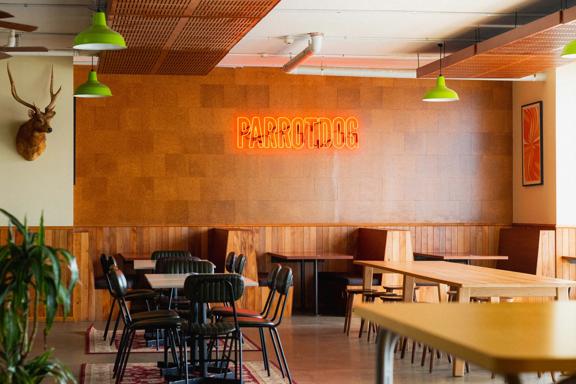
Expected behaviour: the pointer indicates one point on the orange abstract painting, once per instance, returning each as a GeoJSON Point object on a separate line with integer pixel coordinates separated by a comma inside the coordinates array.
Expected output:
{"type": "Point", "coordinates": [532, 166]}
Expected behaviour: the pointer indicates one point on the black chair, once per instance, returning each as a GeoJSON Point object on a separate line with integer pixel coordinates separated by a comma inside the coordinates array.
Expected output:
{"type": "Point", "coordinates": [204, 289]}
{"type": "Point", "coordinates": [240, 264]}
{"type": "Point", "coordinates": [230, 262]}
{"type": "Point", "coordinates": [180, 265]}
{"type": "Point", "coordinates": [148, 295]}
{"type": "Point", "coordinates": [283, 283]}
{"type": "Point", "coordinates": [156, 255]}
{"type": "Point", "coordinates": [167, 321]}
{"type": "Point", "coordinates": [221, 312]}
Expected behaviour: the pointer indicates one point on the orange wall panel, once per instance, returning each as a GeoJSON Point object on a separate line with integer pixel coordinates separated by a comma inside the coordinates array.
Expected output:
{"type": "Point", "coordinates": [162, 151]}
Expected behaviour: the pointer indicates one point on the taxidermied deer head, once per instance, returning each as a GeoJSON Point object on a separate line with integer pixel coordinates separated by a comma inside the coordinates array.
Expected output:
{"type": "Point", "coordinates": [31, 137]}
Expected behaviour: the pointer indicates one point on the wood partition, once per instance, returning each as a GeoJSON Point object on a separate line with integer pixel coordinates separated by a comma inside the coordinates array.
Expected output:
{"type": "Point", "coordinates": [240, 241]}
{"type": "Point", "coordinates": [566, 246]}
{"type": "Point", "coordinates": [94, 304]}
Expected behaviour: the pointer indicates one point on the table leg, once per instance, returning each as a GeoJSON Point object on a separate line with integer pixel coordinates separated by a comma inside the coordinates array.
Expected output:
{"type": "Point", "coordinates": [302, 285]}
{"type": "Point", "coordinates": [385, 357]}
{"type": "Point", "coordinates": [408, 290]}
{"type": "Point", "coordinates": [562, 294]}
{"type": "Point", "coordinates": [316, 287]}
{"type": "Point", "coordinates": [368, 277]}
{"type": "Point", "coordinates": [458, 364]}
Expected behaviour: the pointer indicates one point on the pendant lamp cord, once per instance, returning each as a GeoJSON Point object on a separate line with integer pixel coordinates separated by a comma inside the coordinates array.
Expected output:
{"type": "Point", "coordinates": [441, 46]}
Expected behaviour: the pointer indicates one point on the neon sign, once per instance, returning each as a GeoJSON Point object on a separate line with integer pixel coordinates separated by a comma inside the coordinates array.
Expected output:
{"type": "Point", "coordinates": [296, 132]}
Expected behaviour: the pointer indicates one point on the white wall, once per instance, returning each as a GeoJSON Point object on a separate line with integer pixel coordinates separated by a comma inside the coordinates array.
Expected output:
{"type": "Point", "coordinates": [46, 184]}
{"type": "Point", "coordinates": [535, 204]}
{"type": "Point", "coordinates": [566, 145]}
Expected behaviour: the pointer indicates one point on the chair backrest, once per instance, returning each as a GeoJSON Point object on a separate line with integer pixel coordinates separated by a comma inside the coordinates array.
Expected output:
{"type": "Point", "coordinates": [272, 277]}
{"type": "Point", "coordinates": [118, 283]}
{"type": "Point", "coordinates": [240, 264]}
{"type": "Point", "coordinates": [183, 265]}
{"type": "Point", "coordinates": [284, 280]}
{"type": "Point", "coordinates": [156, 255]}
{"type": "Point", "coordinates": [214, 288]}
{"type": "Point", "coordinates": [230, 262]}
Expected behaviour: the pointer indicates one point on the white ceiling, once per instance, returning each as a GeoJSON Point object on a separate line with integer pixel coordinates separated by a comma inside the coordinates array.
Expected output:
{"type": "Point", "coordinates": [357, 33]}
{"type": "Point", "coordinates": [364, 33]}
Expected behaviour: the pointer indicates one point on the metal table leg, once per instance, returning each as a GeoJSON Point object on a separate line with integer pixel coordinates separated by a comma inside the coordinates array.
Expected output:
{"type": "Point", "coordinates": [316, 287]}
{"type": "Point", "coordinates": [385, 357]}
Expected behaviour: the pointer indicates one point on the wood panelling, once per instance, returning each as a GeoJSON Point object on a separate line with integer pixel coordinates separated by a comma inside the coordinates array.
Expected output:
{"type": "Point", "coordinates": [162, 152]}
{"type": "Point", "coordinates": [90, 304]}
{"type": "Point", "coordinates": [566, 246]}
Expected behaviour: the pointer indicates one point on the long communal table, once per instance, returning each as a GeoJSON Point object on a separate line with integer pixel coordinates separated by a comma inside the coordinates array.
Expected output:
{"type": "Point", "coordinates": [507, 338]}
{"type": "Point", "coordinates": [468, 281]}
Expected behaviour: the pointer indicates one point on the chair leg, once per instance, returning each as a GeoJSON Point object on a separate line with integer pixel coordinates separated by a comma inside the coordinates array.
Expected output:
{"type": "Point", "coordinates": [239, 362]}
{"type": "Point", "coordinates": [361, 331]}
{"type": "Point", "coordinates": [109, 318]}
{"type": "Point", "coordinates": [183, 343]}
{"type": "Point", "coordinates": [113, 338]}
{"type": "Point", "coordinates": [124, 357]}
{"type": "Point", "coordinates": [404, 347]}
{"type": "Point", "coordinates": [264, 352]}
{"type": "Point", "coordinates": [431, 361]}
{"type": "Point", "coordinates": [277, 335]}
{"type": "Point", "coordinates": [120, 351]}
{"type": "Point", "coordinates": [276, 352]}
{"type": "Point", "coordinates": [413, 352]}
{"type": "Point", "coordinates": [346, 313]}
{"type": "Point", "coordinates": [424, 350]}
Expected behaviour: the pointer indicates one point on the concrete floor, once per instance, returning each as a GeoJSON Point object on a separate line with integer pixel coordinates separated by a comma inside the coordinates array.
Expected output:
{"type": "Point", "coordinates": [316, 348]}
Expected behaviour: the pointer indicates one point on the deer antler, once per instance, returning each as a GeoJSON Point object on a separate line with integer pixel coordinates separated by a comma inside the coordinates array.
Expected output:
{"type": "Point", "coordinates": [53, 96]}
{"type": "Point", "coordinates": [15, 94]}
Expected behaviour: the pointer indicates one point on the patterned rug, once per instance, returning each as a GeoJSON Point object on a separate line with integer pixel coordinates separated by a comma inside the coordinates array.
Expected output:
{"type": "Point", "coordinates": [96, 344]}
{"type": "Point", "coordinates": [148, 373]}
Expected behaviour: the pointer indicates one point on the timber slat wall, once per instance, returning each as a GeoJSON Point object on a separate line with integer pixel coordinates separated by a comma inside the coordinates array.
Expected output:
{"type": "Point", "coordinates": [477, 239]}
{"type": "Point", "coordinates": [566, 246]}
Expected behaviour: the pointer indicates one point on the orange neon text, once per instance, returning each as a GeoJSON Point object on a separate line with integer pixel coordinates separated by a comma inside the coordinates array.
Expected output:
{"type": "Point", "coordinates": [296, 132]}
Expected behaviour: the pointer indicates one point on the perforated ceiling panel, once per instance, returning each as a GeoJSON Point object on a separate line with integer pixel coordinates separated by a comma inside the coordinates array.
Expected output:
{"type": "Point", "coordinates": [521, 52]}
{"type": "Point", "coordinates": [184, 37]}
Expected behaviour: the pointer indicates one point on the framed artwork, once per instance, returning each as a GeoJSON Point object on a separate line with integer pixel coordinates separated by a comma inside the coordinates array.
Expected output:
{"type": "Point", "coordinates": [532, 146]}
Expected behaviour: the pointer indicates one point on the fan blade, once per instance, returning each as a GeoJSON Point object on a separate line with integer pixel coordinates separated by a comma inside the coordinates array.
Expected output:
{"type": "Point", "coordinates": [5, 15]}
{"type": "Point", "coordinates": [17, 26]}
{"type": "Point", "coordinates": [23, 49]}
{"type": "Point", "coordinates": [4, 56]}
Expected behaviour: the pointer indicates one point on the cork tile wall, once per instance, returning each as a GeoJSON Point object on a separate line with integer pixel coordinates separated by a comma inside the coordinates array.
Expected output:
{"type": "Point", "coordinates": [162, 151]}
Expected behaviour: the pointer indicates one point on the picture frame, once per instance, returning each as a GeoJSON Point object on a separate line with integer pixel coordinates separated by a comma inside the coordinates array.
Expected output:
{"type": "Point", "coordinates": [531, 130]}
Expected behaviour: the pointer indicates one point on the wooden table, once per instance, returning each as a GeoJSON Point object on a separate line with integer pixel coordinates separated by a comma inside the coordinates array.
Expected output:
{"type": "Point", "coordinates": [302, 258]}
{"type": "Point", "coordinates": [140, 264]}
{"type": "Point", "coordinates": [469, 280]}
{"type": "Point", "coordinates": [449, 256]}
{"type": "Point", "coordinates": [176, 280]}
{"type": "Point", "coordinates": [507, 338]}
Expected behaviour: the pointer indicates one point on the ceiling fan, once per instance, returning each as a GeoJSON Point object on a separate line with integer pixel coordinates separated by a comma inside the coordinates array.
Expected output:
{"type": "Point", "coordinates": [14, 38]}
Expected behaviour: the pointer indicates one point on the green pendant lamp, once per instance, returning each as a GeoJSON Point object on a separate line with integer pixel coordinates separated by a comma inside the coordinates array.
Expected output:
{"type": "Point", "coordinates": [569, 51]}
{"type": "Point", "coordinates": [441, 93]}
{"type": "Point", "coordinates": [92, 88]}
{"type": "Point", "coordinates": [99, 37]}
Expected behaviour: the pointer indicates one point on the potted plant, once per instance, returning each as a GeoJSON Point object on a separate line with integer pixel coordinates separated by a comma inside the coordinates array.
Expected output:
{"type": "Point", "coordinates": [31, 277]}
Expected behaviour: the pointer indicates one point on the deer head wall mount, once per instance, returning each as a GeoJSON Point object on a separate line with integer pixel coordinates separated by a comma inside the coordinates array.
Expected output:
{"type": "Point", "coordinates": [31, 137]}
